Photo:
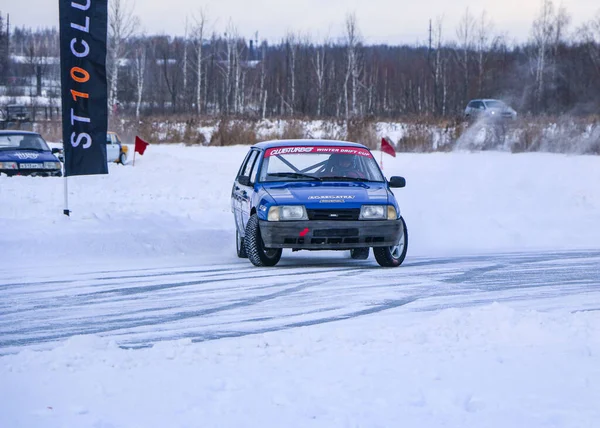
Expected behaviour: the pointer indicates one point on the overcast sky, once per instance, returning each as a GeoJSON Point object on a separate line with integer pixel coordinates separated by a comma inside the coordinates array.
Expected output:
{"type": "Point", "coordinates": [386, 21]}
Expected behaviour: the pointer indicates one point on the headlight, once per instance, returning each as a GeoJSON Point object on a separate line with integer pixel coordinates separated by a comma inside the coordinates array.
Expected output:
{"type": "Point", "coordinates": [373, 212]}
{"type": "Point", "coordinates": [52, 165]}
{"type": "Point", "coordinates": [287, 213]}
{"type": "Point", "coordinates": [378, 212]}
{"type": "Point", "coordinates": [9, 165]}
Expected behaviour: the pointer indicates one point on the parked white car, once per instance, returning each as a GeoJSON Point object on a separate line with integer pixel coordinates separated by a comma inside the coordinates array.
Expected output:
{"type": "Point", "coordinates": [116, 151]}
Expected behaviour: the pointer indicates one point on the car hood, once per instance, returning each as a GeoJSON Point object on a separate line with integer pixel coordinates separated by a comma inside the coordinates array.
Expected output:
{"type": "Point", "coordinates": [26, 156]}
{"type": "Point", "coordinates": [320, 194]}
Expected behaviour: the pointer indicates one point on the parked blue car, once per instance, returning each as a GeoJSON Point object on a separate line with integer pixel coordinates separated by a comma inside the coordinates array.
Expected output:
{"type": "Point", "coordinates": [26, 153]}
{"type": "Point", "coordinates": [316, 195]}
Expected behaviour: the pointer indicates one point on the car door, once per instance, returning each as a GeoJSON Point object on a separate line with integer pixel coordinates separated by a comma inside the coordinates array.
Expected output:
{"type": "Point", "coordinates": [243, 188]}
{"type": "Point", "coordinates": [112, 148]}
{"type": "Point", "coordinates": [236, 195]}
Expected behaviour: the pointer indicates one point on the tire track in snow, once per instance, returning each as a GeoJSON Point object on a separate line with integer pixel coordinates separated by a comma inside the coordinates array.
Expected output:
{"type": "Point", "coordinates": [139, 307]}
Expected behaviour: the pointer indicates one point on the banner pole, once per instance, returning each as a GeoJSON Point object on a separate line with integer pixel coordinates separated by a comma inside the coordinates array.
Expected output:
{"type": "Point", "coordinates": [66, 210]}
{"type": "Point", "coordinates": [134, 152]}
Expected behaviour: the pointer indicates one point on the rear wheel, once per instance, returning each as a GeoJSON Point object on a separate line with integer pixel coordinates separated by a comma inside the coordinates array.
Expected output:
{"type": "Point", "coordinates": [239, 246]}
{"type": "Point", "coordinates": [123, 158]}
{"type": "Point", "coordinates": [255, 247]}
{"type": "Point", "coordinates": [393, 256]}
{"type": "Point", "coordinates": [360, 253]}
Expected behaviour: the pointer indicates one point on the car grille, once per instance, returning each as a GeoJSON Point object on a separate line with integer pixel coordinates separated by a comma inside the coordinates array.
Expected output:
{"type": "Point", "coordinates": [331, 214]}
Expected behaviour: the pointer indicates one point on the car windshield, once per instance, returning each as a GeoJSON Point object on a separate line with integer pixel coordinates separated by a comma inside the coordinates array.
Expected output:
{"type": "Point", "coordinates": [22, 142]}
{"type": "Point", "coordinates": [319, 163]}
{"type": "Point", "coordinates": [495, 104]}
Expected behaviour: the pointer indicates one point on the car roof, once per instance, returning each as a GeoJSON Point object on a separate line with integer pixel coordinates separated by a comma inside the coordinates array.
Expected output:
{"type": "Point", "coordinates": [17, 132]}
{"type": "Point", "coordinates": [307, 142]}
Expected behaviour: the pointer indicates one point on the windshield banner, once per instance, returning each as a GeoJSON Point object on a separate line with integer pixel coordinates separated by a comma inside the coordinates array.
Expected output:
{"type": "Point", "coordinates": [83, 34]}
{"type": "Point", "coordinates": [318, 149]}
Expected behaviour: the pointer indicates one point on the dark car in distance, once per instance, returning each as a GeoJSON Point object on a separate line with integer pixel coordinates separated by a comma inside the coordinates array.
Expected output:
{"type": "Point", "coordinates": [316, 195]}
{"type": "Point", "coordinates": [26, 153]}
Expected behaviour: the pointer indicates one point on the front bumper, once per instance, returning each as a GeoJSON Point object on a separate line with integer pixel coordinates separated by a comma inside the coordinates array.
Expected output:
{"type": "Point", "coordinates": [32, 173]}
{"type": "Point", "coordinates": [331, 235]}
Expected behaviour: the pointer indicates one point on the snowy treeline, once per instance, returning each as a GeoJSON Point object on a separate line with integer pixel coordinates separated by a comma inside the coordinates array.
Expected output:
{"type": "Point", "coordinates": [217, 72]}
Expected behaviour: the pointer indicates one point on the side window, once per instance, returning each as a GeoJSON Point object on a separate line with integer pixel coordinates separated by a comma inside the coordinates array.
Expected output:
{"type": "Point", "coordinates": [248, 164]}
{"type": "Point", "coordinates": [244, 164]}
{"type": "Point", "coordinates": [481, 105]}
{"type": "Point", "coordinates": [254, 172]}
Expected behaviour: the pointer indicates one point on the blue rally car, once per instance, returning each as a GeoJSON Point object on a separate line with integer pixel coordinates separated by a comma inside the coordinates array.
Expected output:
{"type": "Point", "coordinates": [316, 195]}
{"type": "Point", "coordinates": [26, 153]}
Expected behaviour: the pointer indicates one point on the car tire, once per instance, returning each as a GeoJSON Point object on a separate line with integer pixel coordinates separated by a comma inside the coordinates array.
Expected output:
{"type": "Point", "coordinates": [360, 253]}
{"type": "Point", "coordinates": [255, 247]}
{"type": "Point", "coordinates": [393, 256]}
{"type": "Point", "coordinates": [239, 246]}
{"type": "Point", "coordinates": [123, 158]}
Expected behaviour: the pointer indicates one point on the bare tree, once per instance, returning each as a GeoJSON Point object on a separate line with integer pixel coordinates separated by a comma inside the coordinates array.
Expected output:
{"type": "Point", "coordinates": [140, 73]}
{"type": "Point", "coordinates": [590, 35]}
{"type": "Point", "coordinates": [229, 65]}
{"type": "Point", "coordinates": [122, 24]}
{"type": "Point", "coordinates": [465, 33]}
{"type": "Point", "coordinates": [198, 33]}
{"type": "Point", "coordinates": [185, 57]}
{"type": "Point", "coordinates": [38, 58]}
{"type": "Point", "coordinates": [483, 40]}
{"type": "Point", "coordinates": [291, 43]}
{"type": "Point", "coordinates": [436, 60]}
{"type": "Point", "coordinates": [352, 42]}
{"type": "Point", "coordinates": [542, 34]}
{"type": "Point", "coordinates": [4, 54]}
{"type": "Point", "coordinates": [319, 65]}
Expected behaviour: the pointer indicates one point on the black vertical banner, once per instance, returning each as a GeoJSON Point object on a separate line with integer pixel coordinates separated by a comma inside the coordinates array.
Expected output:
{"type": "Point", "coordinates": [83, 35]}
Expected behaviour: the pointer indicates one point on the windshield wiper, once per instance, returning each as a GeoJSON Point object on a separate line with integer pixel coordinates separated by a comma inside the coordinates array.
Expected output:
{"type": "Point", "coordinates": [348, 179]}
{"type": "Point", "coordinates": [294, 175]}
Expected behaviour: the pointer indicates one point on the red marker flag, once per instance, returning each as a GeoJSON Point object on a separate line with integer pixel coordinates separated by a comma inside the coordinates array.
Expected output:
{"type": "Point", "coordinates": [386, 147]}
{"type": "Point", "coordinates": [140, 145]}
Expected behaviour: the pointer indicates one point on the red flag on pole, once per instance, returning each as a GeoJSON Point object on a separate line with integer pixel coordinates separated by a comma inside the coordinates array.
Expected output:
{"type": "Point", "coordinates": [140, 145]}
{"type": "Point", "coordinates": [386, 147]}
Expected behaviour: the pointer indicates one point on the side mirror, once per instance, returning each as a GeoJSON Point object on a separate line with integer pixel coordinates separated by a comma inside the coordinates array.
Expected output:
{"type": "Point", "coordinates": [56, 150]}
{"type": "Point", "coordinates": [397, 182]}
{"type": "Point", "coordinates": [244, 181]}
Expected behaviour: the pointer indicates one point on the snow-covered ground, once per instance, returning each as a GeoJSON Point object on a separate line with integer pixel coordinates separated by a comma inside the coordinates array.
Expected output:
{"type": "Point", "coordinates": [136, 312]}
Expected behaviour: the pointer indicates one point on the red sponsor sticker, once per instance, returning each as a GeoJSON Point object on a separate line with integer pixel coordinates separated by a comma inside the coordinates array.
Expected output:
{"type": "Point", "coordinates": [319, 149]}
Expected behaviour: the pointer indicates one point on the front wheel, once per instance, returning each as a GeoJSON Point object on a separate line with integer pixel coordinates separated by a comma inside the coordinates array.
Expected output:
{"type": "Point", "coordinates": [123, 158]}
{"type": "Point", "coordinates": [255, 247]}
{"type": "Point", "coordinates": [393, 256]}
